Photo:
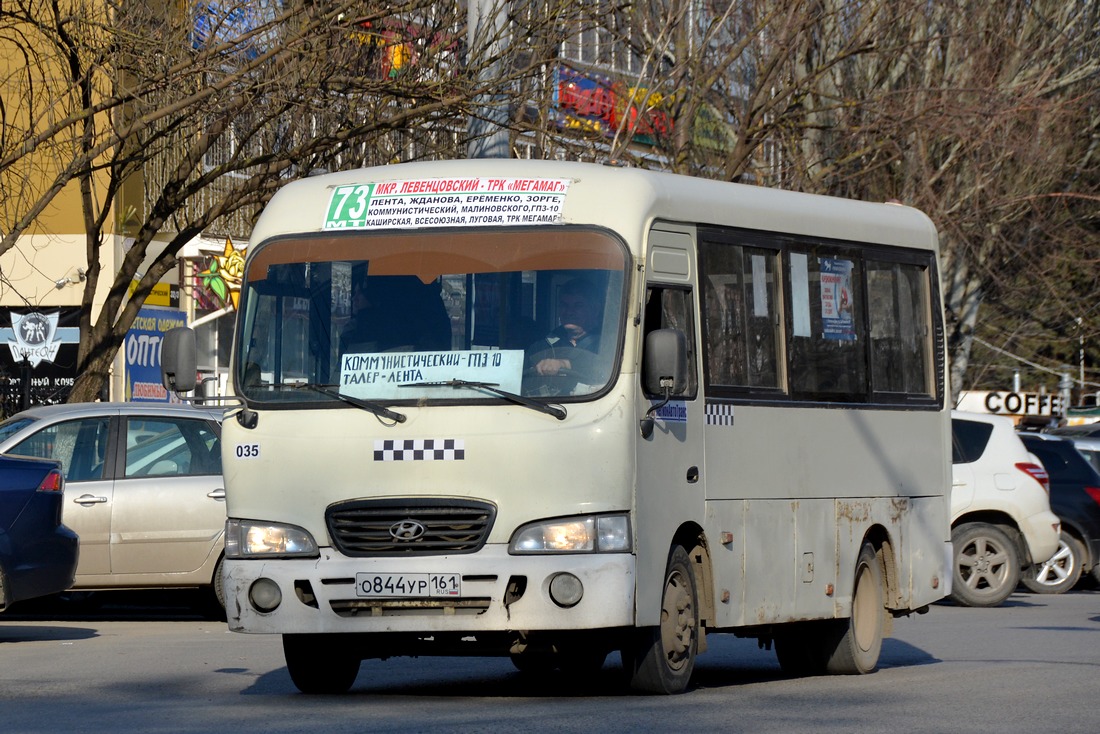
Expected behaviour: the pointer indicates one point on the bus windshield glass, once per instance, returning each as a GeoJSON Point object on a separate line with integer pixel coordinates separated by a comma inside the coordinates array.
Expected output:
{"type": "Point", "coordinates": [400, 318]}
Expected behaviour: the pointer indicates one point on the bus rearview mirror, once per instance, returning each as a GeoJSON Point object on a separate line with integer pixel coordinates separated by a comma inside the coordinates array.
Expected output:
{"type": "Point", "coordinates": [178, 360]}
{"type": "Point", "coordinates": [665, 362]}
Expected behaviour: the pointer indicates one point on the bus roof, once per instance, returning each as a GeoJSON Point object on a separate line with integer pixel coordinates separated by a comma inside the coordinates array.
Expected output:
{"type": "Point", "coordinates": [625, 200]}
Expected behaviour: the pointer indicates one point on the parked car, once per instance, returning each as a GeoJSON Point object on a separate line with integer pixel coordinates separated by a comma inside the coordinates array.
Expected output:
{"type": "Point", "coordinates": [143, 489]}
{"type": "Point", "coordinates": [1083, 430]}
{"type": "Point", "coordinates": [1001, 518]}
{"type": "Point", "coordinates": [1075, 498]}
{"type": "Point", "coordinates": [38, 553]}
{"type": "Point", "coordinates": [1089, 446]}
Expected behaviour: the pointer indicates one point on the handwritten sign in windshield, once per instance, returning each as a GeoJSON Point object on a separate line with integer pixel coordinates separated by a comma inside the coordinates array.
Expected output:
{"type": "Point", "coordinates": [380, 375]}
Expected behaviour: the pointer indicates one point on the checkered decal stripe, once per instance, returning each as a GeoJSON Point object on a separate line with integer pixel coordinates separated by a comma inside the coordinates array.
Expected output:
{"type": "Point", "coordinates": [420, 449]}
{"type": "Point", "coordinates": [719, 414]}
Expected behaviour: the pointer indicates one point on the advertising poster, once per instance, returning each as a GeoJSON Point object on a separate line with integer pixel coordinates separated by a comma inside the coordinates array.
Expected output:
{"type": "Point", "coordinates": [142, 347]}
{"type": "Point", "coordinates": [836, 299]}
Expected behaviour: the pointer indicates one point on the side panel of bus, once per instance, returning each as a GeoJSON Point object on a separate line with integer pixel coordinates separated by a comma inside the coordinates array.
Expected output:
{"type": "Point", "coordinates": [806, 455]}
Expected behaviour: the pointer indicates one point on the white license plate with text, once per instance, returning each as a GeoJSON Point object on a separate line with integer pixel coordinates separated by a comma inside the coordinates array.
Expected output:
{"type": "Point", "coordinates": [408, 584]}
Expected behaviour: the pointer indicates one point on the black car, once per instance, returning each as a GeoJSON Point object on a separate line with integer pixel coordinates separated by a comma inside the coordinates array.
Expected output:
{"type": "Point", "coordinates": [38, 554]}
{"type": "Point", "coordinates": [1074, 498]}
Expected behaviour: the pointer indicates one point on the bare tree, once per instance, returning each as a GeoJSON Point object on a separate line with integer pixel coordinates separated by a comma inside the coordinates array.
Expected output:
{"type": "Point", "coordinates": [983, 115]}
{"type": "Point", "coordinates": [210, 113]}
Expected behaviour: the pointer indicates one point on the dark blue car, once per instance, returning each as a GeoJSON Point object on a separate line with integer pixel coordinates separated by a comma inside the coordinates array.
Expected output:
{"type": "Point", "coordinates": [1075, 499]}
{"type": "Point", "coordinates": [38, 553]}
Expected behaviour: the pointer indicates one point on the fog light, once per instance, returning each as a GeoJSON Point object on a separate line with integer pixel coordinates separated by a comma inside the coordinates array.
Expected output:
{"type": "Point", "coordinates": [566, 590]}
{"type": "Point", "coordinates": [265, 595]}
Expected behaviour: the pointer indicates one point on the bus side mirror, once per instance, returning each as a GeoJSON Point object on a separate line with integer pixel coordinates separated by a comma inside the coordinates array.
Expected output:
{"type": "Point", "coordinates": [178, 360]}
{"type": "Point", "coordinates": [665, 362]}
{"type": "Point", "coordinates": [665, 370]}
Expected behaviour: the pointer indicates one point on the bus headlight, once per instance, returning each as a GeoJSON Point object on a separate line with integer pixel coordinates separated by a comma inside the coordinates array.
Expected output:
{"type": "Point", "coordinates": [585, 534]}
{"type": "Point", "coordinates": [250, 538]}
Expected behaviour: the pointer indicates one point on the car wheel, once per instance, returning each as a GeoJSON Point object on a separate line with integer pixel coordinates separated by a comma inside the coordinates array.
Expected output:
{"type": "Point", "coordinates": [1061, 571]}
{"type": "Point", "coordinates": [661, 659]}
{"type": "Point", "coordinates": [219, 584]}
{"type": "Point", "coordinates": [320, 663]}
{"type": "Point", "coordinates": [986, 566]}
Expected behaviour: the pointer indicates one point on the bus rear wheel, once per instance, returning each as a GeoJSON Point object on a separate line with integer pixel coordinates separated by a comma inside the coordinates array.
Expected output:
{"type": "Point", "coordinates": [320, 663]}
{"type": "Point", "coordinates": [860, 636]}
{"type": "Point", "coordinates": [843, 646]}
{"type": "Point", "coordinates": [661, 659]}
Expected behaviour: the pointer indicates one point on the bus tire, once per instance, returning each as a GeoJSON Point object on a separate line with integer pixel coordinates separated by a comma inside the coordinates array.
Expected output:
{"type": "Point", "coordinates": [859, 638]}
{"type": "Point", "coordinates": [320, 663]}
{"type": "Point", "coordinates": [986, 566]}
{"type": "Point", "coordinates": [661, 659]}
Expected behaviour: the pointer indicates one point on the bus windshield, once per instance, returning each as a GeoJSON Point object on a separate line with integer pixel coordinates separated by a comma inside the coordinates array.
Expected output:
{"type": "Point", "coordinates": [432, 316]}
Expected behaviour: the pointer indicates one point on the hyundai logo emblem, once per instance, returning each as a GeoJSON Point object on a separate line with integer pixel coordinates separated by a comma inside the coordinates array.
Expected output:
{"type": "Point", "coordinates": [407, 530]}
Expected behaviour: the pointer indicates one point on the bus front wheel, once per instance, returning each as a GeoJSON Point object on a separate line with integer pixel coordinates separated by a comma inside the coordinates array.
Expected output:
{"type": "Point", "coordinates": [319, 663]}
{"type": "Point", "coordinates": [661, 659]}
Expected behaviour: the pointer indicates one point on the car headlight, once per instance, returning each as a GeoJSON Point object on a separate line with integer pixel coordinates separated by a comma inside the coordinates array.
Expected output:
{"type": "Point", "coordinates": [586, 534]}
{"type": "Point", "coordinates": [251, 538]}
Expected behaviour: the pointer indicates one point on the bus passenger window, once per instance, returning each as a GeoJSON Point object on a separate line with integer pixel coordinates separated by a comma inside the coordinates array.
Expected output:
{"type": "Point", "coordinates": [740, 316]}
{"type": "Point", "coordinates": [901, 317]}
{"type": "Point", "coordinates": [827, 350]}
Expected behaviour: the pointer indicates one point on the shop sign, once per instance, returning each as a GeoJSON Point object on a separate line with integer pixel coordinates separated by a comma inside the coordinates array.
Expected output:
{"type": "Point", "coordinates": [34, 337]}
{"type": "Point", "coordinates": [1012, 403]}
{"type": "Point", "coordinates": [142, 349]}
{"type": "Point", "coordinates": [597, 104]}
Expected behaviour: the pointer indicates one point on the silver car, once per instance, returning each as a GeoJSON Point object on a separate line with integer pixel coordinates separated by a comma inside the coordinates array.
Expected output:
{"type": "Point", "coordinates": [143, 489]}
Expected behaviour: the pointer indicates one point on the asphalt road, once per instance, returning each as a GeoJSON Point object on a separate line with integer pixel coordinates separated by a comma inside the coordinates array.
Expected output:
{"type": "Point", "coordinates": [150, 664]}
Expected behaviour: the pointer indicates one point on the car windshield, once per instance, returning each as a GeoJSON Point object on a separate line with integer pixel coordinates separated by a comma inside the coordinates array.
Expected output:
{"type": "Point", "coordinates": [400, 318]}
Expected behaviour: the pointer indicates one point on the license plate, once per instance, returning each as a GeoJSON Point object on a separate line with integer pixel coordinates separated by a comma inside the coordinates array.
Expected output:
{"type": "Point", "coordinates": [407, 584]}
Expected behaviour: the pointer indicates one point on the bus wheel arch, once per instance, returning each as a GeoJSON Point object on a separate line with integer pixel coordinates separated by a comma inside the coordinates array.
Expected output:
{"type": "Point", "coordinates": [692, 538]}
{"type": "Point", "coordinates": [893, 587]}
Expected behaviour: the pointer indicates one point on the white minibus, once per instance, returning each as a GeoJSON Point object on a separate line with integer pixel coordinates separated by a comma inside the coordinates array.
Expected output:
{"type": "Point", "coordinates": [554, 411]}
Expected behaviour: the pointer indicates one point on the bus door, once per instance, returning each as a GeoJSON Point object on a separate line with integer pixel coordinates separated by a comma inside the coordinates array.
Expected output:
{"type": "Point", "coordinates": [670, 461]}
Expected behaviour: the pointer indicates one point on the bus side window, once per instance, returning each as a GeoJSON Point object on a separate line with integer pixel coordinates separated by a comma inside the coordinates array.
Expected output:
{"type": "Point", "coordinates": [826, 341]}
{"type": "Point", "coordinates": [901, 324]}
{"type": "Point", "coordinates": [671, 308]}
{"type": "Point", "coordinates": [740, 315]}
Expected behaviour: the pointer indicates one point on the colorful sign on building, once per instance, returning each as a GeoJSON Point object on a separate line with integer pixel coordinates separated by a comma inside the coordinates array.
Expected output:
{"type": "Point", "coordinates": [39, 361]}
{"type": "Point", "coordinates": [601, 105]}
{"type": "Point", "coordinates": [142, 350]}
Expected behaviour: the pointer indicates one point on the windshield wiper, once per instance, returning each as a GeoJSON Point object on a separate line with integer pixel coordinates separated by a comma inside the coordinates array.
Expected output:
{"type": "Point", "coordinates": [555, 410]}
{"type": "Point", "coordinates": [370, 407]}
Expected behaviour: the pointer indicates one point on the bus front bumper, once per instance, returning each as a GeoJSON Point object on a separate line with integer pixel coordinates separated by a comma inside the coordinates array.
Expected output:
{"type": "Point", "coordinates": [485, 591]}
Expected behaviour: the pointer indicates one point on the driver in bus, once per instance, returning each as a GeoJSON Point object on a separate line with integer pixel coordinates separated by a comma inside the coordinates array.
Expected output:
{"type": "Point", "coordinates": [570, 349]}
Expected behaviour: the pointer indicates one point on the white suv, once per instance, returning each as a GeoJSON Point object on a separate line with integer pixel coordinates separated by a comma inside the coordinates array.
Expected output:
{"type": "Point", "coordinates": [1001, 521]}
